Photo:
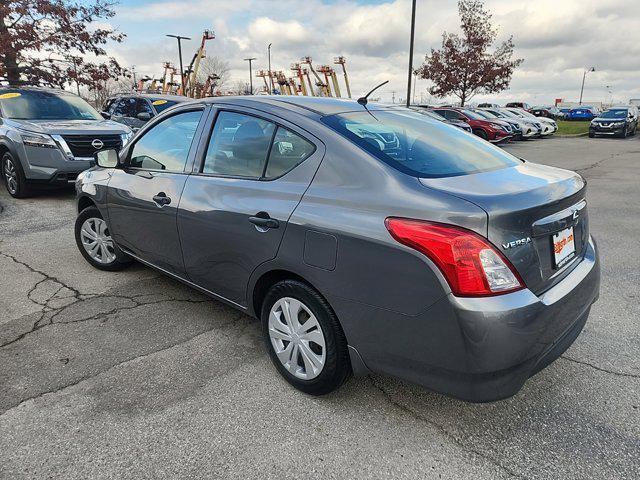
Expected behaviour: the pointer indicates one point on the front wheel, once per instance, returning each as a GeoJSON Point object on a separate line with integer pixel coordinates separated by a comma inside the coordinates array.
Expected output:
{"type": "Point", "coordinates": [13, 176]}
{"type": "Point", "coordinates": [624, 132]}
{"type": "Point", "coordinates": [481, 133]}
{"type": "Point", "coordinates": [304, 338]}
{"type": "Point", "coordinates": [95, 243]}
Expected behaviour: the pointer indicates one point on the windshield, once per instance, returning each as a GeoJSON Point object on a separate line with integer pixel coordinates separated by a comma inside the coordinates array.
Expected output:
{"type": "Point", "coordinates": [430, 113]}
{"type": "Point", "coordinates": [417, 145]}
{"type": "Point", "coordinates": [614, 114]}
{"type": "Point", "coordinates": [160, 104]}
{"type": "Point", "coordinates": [44, 105]}
{"type": "Point", "coordinates": [472, 115]}
{"type": "Point", "coordinates": [484, 114]}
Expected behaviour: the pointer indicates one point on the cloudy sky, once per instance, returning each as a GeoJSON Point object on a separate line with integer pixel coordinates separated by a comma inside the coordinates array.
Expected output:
{"type": "Point", "coordinates": [557, 39]}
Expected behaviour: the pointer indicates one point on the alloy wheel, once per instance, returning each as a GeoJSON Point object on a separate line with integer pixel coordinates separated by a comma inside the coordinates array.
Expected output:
{"type": "Point", "coordinates": [10, 176]}
{"type": "Point", "coordinates": [97, 241]}
{"type": "Point", "coordinates": [297, 338]}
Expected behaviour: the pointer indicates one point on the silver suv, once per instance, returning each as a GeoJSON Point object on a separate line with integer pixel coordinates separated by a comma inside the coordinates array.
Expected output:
{"type": "Point", "coordinates": [49, 136]}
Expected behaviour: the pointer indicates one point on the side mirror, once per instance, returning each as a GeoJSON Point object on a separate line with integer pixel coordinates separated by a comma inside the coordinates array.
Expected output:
{"type": "Point", "coordinates": [107, 158]}
{"type": "Point", "coordinates": [106, 115]}
{"type": "Point", "coordinates": [144, 116]}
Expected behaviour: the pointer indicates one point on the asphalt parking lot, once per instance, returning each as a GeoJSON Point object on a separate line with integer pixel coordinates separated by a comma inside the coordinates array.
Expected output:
{"type": "Point", "coordinates": [133, 375]}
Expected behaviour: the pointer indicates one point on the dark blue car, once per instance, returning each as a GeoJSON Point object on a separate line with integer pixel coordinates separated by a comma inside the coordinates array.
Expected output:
{"type": "Point", "coordinates": [582, 113]}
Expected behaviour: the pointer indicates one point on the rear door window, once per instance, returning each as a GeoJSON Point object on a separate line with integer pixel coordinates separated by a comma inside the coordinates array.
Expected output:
{"type": "Point", "coordinates": [287, 152]}
{"type": "Point", "coordinates": [239, 145]}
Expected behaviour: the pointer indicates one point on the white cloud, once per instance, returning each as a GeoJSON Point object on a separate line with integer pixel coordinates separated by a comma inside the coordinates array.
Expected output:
{"type": "Point", "coordinates": [557, 39]}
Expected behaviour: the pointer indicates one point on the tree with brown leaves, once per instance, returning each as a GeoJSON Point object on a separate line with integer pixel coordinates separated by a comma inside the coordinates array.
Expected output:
{"type": "Point", "coordinates": [464, 66]}
{"type": "Point", "coordinates": [47, 42]}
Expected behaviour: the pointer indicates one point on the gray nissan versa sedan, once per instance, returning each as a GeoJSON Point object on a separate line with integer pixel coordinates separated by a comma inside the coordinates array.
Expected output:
{"type": "Point", "coordinates": [366, 238]}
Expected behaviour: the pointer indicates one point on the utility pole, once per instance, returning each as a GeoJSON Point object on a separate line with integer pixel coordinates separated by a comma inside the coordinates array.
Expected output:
{"type": "Point", "coordinates": [250, 73]}
{"type": "Point", "coordinates": [135, 82]}
{"type": "Point", "coordinates": [270, 76]}
{"type": "Point", "coordinates": [592, 69]}
{"type": "Point", "coordinates": [180, 38]}
{"type": "Point", "coordinates": [413, 32]}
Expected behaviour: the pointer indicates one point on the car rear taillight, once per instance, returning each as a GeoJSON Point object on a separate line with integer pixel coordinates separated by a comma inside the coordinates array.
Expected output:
{"type": "Point", "coordinates": [471, 265]}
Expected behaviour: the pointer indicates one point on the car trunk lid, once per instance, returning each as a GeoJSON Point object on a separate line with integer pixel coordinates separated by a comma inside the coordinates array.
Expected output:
{"type": "Point", "coordinates": [526, 206]}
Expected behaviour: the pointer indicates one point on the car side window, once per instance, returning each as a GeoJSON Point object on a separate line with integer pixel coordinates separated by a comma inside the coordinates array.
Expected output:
{"type": "Point", "coordinates": [287, 151]}
{"type": "Point", "coordinates": [143, 106]}
{"type": "Point", "coordinates": [126, 107]}
{"type": "Point", "coordinates": [166, 145]}
{"type": "Point", "coordinates": [238, 146]}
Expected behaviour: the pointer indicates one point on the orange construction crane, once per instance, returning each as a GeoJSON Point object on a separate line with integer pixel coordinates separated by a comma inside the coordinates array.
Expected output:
{"type": "Point", "coordinates": [341, 61]}
{"type": "Point", "coordinates": [323, 86]}
{"type": "Point", "coordinates": [326, 71]}
{"type": "Point", "coordinates": [194, 66]}
{"type": "Point", "coordinates": [297, 69]}
{"type": "Point", "coordinates": [262, 74]}
{"type": "Point", "coordinates": [305, 73]}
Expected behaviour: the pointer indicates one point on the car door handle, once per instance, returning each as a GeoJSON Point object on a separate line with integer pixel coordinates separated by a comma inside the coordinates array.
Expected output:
{"type": "Point", "coordinates": [264, 222]}
{"type": "Point", "coordinates": [161, 199]}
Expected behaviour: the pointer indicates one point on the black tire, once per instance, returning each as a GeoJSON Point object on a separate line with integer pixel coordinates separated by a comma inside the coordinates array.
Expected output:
{"type": "Point", "coordinates": [121, 261]}
{"type": "Point", "coordinates": [591, 134]}
{"type": "Point", "coordinates": [337, 367]}
{"type": "Point", "coordinates": [624, 132]}
{"type": "Point", "coordinates": [480, 133]}
{"type": "Point", "coordinates": [22, 189]}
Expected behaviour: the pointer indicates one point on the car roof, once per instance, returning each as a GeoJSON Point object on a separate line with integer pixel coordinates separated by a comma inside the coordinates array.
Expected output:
{"type": "Point", "coordinates": [51, 90]}
{"type": "Point", "coordinates": [322, 106]}
{"type": "Point", "coordinates": [157, 96]}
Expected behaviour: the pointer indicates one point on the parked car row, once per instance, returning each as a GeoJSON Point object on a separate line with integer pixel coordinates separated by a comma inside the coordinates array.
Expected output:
{"type": "Point", "coordinates": [496, 124]}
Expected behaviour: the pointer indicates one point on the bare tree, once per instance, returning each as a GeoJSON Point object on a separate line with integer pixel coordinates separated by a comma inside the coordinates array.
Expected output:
{"type": "Point", "coordinates": [464, 66]}
{"type": "Point", "coordinates": [98, 93]}
{"type": "Point", "coordinates": [213, 66]}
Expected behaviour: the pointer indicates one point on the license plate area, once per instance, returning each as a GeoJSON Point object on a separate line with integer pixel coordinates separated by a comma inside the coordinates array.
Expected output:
{"type": "Point", "coordinates": [564, 247]}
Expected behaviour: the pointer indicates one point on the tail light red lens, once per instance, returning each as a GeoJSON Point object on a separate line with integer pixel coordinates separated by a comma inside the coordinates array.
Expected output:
{"type": "Point", "coordinates": [471, 265]}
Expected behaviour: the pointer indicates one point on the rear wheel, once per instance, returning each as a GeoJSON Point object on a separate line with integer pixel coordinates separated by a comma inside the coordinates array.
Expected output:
{"type": "Point", "coordinates": [13, 176]}
{"type": "Point", "coordinates": [304, 338]}
{"type": "Point", "coordinates": [95, 243]}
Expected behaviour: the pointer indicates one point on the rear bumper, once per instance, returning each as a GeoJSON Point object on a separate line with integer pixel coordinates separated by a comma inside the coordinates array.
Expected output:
{"type": "Point", "coordinates": [484, 349]}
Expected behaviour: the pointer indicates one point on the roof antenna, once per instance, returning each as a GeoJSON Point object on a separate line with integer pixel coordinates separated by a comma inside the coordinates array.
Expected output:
{"type": "Point", "coordinates": [363, 100]}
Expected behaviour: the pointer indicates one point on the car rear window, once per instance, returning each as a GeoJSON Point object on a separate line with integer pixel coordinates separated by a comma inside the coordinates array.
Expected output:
{"type": "Point", "coordinates": [417, 145]}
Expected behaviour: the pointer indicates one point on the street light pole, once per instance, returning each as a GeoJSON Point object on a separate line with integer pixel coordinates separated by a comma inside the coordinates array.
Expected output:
{"type": "Point", "coordinates": [413, 31]}
{"type": "Point", "coordinates": [584, 75]}
{"type": "Point", "coordinates": [250, 73]}
{"type": "Point", "coordinates": [270, 76]}
{"type": "Point", "coordinates": [180, 38]}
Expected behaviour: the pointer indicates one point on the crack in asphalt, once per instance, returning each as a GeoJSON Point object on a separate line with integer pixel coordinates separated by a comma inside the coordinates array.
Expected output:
{"type": "Point", "coordinates": [599, 162]}
{"type": "Point", "coordinates": [415, 415]}
{"type": "Point", "coordinates": [601, 369]}
{"type": "Point", "coordinates": [129, 360]}
{"type": "Point", "coordinates": [46, 276]}
{"type": "Point", "coordinates": [77, 297]}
